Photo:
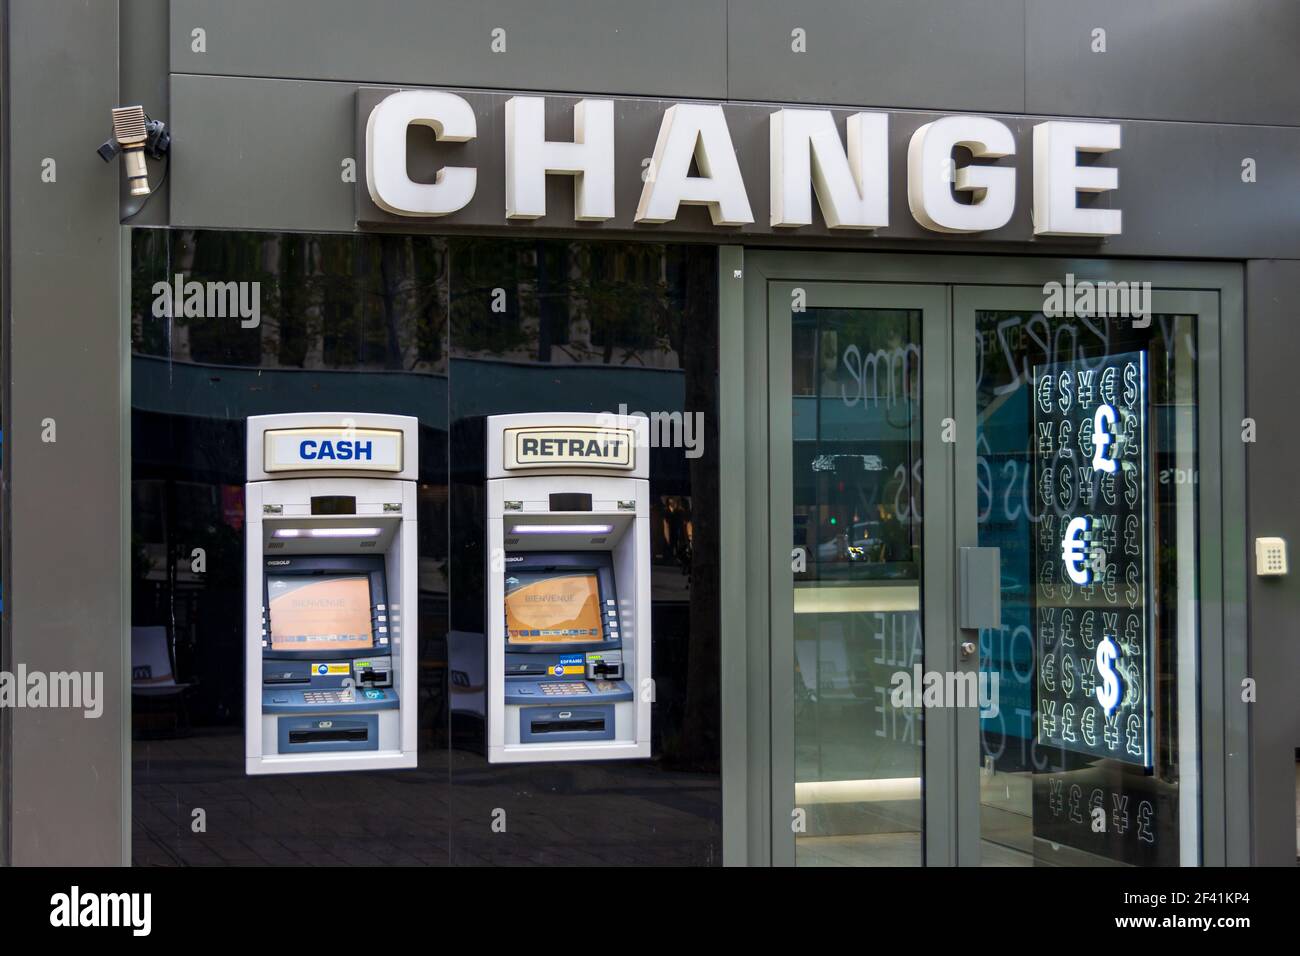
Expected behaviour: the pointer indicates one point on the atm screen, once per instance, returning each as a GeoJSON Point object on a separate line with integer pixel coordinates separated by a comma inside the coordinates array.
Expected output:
{"type": "Point", "coordinates": [320, 612]}
{"type": "Point", "coordinates": [550, 607]}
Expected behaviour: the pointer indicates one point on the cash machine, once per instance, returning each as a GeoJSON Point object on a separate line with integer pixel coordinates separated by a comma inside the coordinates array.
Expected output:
{"type": "Point", "coordinates": [568, 587]}
{"type": "Point", "coordinates": [331, 599]}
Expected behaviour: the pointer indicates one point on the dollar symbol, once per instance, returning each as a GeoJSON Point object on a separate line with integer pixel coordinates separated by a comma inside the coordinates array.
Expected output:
{"type": "Point", "coordinates": [1108, 692]}
{"type": "Point", "coordinates": [1130, 385]}
{"type": "Point", "coordinates": [1067, 486]}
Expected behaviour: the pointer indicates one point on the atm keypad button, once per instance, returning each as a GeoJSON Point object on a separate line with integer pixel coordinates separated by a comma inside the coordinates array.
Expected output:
{"type": "Point", "coordinates": [327, 696]}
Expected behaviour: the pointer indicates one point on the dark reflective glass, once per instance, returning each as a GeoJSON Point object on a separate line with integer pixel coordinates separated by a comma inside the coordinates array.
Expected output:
{"type": "Point", "coordinates": [448, 331]}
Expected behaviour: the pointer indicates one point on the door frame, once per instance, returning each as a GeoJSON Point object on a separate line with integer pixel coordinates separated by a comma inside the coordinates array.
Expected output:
{"type": "Point", "coordinates": [749, 555]}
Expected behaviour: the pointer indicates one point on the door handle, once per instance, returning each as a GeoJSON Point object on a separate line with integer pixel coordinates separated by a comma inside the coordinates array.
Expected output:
{"type": "Point", "coordinates": [980, 574]}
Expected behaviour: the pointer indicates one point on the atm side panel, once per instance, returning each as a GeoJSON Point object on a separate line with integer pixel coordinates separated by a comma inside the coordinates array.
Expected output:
{"type": "Point", "coordinates": [252, 626]}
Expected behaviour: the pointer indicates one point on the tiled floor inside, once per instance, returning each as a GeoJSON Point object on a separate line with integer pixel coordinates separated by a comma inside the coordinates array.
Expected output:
{"type": "Point", "coordinates": [569, 814]}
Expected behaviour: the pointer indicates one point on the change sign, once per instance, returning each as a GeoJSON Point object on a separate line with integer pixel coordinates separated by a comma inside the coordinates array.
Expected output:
{"type": "Point", "coordinates": [1092, 559]}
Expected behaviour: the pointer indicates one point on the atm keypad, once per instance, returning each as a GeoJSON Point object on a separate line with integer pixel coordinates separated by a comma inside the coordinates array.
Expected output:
{"type": "Point", "coordinates": [564, 689]}
{"type": "Point", "coordinates": [327, 696]}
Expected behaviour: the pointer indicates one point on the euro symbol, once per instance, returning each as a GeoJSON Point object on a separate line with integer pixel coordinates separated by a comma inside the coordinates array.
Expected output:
{"type": "Point", "coordinates": [1074, 551]}
{"type": "Point", "coordinates": [1102, 439]}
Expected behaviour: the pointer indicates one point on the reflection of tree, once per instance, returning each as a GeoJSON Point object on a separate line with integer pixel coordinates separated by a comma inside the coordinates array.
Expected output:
{"type": "Point", "coordinates": [326, 301]}
{"type": "Point", "coordinates": [565, 302]}
{"type": "Point", "coordinates": [701, 743]}
{"type": "Point", "coordinates": [382, 302]}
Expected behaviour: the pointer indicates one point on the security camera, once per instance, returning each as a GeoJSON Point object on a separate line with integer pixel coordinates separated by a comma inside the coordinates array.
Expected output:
{"type": "Point", "coordinates": [137, 136]}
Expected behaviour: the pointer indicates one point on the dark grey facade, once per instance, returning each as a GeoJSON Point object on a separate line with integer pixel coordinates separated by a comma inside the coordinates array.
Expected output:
{"type": "Point", "coordinates": [262, 99]}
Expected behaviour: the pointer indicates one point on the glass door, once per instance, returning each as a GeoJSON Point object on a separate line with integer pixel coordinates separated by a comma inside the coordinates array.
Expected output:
{"type": "Point", "coordinates": [997, 596]}
{"type": "Point", "coordinates": [859, 390]}
{"type": "Point", "coordinates": [1087, 475]}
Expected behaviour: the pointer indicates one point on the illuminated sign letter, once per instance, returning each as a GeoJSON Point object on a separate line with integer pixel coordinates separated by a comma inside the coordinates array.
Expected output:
{"type": "Point", "coordinates": [390, 185]}
{"type": "Point", "coordinates": [694, 131]}
{"type": "Point", "coordinates": [1058, 179]}
{"type": "Point", "coordinates": [930, 179]}
{"type": "Point", "coordinates": [852, 189]}
{"type": "Point", "coordinates": [530, 156]}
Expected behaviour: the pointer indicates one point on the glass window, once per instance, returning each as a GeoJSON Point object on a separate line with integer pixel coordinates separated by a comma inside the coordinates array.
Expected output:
{"type": "Point", "coordinates": [1087, 474]}
{"type": "Point", "coordinates": [857, 584]}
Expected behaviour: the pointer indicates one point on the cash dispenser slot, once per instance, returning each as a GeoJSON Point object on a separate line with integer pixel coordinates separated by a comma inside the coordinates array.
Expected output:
{"type": "Point", "coordinates": [566, 723]}
{"type": "Point", "coordinates": [323, 736]}
{"type": "Point", "coordinates": [328, 734]}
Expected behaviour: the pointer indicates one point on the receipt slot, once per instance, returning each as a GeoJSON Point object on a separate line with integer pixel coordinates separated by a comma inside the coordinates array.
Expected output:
{"type": "Point", "coordinates": [330, 663]}
{"type": "Point", "coordinates": [568, 551]}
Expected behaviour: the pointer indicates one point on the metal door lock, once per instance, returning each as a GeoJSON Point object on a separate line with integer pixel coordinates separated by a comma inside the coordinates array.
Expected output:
{"type": "Point", "coordinates": [967, 650]}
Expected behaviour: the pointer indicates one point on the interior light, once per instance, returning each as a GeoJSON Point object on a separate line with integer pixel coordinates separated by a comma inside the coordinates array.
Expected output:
{"type": "Point", "coordinates": [326, 532]}
{"type": "Point", "coordinates": [562, 529]}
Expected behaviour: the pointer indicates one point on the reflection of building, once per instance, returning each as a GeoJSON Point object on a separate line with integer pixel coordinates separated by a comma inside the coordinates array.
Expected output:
{"type": "Point", "coordinates": [188, 421]}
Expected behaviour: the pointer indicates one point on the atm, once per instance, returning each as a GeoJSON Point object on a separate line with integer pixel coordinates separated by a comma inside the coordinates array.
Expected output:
{"type": "Point", "coordinates": [568, 587]}
{"type": "Point", "coordinates": [330, 566]}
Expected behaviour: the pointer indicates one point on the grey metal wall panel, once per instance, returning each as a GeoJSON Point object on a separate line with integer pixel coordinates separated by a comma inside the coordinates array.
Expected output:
{"type": "Point", "coordinates": [1200, 60]}
{"type": "Point", "coordinates": [261, 154]}
{"type": "Point", "coordinates": [266, 154]}
{"type": "Point", "coordinates": [1272, 463]}
{"type": "Point", "coordinates": [923, 54]}
{"type": "Point", "coordinates": [664, 47]}
{"type": "Point", "coordinates": [66, 587]}
{"type": "Point", "coordinates": [145, 80]}
{"type": "Point", "coordinates": [1183, 183]}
